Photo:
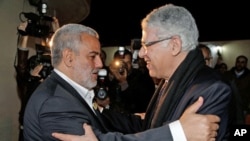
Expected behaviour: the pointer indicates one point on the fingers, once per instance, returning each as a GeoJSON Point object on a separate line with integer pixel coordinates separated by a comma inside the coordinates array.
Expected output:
{"type": "Point", "coordinates": [213, 130]}
{"type": "Point", "coordinates": [213, 118]}
{"type": "Point", "coordinates": [88, 129]}
{"type": "Point", "coordinates": [89, 134]}
{"type": "Point", "coordinates": [23, 26]}
{"type": "Point", "coordinates": [213, 127]}
{"type": "Point", "coordinates": [194, 107]}
{"type": "Point", "coordinates": [213, 134]}
{"type": "Point", "coordinates": [62, 137]}
{"type": "Point", "coordinates": [212, 139]}
{"type": "Point", "coordinates": [36, 70]}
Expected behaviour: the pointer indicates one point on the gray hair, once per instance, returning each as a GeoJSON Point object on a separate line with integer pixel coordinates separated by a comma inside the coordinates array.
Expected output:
{"type": "Point", "coordinates": [174, 20]}
{"type": "Point", "coordinates": [68, 36]}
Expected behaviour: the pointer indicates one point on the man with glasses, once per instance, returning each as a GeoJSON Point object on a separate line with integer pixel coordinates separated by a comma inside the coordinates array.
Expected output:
{"type": "Point", "coordinates": [169, 40]}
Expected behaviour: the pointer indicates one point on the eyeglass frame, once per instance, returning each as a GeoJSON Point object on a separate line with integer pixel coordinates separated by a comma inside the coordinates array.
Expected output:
{"type": "Point", "coordinates": [148, 44]}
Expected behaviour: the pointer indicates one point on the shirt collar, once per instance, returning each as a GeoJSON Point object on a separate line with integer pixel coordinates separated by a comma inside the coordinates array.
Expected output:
{"type": "Point", "coordinates": [87, 95]}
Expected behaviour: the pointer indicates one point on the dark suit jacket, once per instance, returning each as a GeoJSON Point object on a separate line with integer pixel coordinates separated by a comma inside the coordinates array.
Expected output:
{"type": "Point", "coordinates": [207, 84]}
{"type": "Point", "coordinates": [55, 106]}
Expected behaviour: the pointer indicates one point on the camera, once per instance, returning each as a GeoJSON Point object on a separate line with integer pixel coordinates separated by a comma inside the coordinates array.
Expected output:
{"type": "Point", "coordinates": [41, 59]}
{"type": "Point", "coordinates": [118, 63]}
{"type": "Point", "coordinates": [38, 25]}
{"type": "Point", "coordinates": [101, 88]}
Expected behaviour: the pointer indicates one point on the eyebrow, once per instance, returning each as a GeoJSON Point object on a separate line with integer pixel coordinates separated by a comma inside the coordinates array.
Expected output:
{"type": "Point", "coordinates": [94, 52]}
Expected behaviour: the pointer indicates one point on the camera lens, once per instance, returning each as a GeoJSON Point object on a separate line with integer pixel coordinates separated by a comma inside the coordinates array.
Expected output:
{"type": "Point", "coordinates": [101, 94]}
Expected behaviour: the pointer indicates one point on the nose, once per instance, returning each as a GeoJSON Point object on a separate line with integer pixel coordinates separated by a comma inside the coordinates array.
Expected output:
{"type": "Point", "coordinates": [142, 52]}
{"type": "Point", "coordinates": [99, 62]}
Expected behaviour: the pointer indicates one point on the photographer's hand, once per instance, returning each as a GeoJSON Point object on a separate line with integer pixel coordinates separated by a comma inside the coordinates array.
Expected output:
{"type": "Point", "coordinates": [22, 28]}
{"type": "Point", "coordinates": [36, 70]}
{"type": "Point", "coordinates": [55, 24]}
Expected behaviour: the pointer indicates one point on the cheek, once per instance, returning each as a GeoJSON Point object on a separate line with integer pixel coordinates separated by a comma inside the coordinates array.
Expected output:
{"type": "Point", "coordinates": [158, 61]}
{"type": "Point", "coordinates": [84, 68]}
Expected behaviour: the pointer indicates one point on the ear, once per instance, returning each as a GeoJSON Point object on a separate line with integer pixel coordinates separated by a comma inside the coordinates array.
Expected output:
{"type": "Point", "coordinates": [176, 45]}
{"type": "Point", "coordinates": [68, 56]}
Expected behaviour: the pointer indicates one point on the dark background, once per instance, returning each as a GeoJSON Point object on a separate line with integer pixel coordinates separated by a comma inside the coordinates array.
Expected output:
{"type": "Point", "coordinates": [118, 21]}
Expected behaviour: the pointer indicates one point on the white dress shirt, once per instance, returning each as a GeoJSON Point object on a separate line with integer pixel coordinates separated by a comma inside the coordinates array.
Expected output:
{"type": "Point", "coordinates": [177, 131]}
{"type": "Point", "coordinates": [87, 95]}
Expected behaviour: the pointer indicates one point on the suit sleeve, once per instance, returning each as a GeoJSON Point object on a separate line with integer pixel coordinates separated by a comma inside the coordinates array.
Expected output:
{"type": "Point", "coordinates": [217, 97]}
{"type": "Point", "coordinates": [122, 122]}
{"type": "Point", "coordinates": [157, 134]}
{"type": "Point", "coordinates": [62, 115]}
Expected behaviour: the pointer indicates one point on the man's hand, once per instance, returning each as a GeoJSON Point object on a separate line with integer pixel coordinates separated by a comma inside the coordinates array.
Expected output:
{"type": "Point", "coordinates": [89, 135]}
{"type": "Point", "coordinates": [142, 115]}
{"type": "Point", "coordinates": [199, 127]}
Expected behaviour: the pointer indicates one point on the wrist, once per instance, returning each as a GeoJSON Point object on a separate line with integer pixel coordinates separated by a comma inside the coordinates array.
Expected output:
{"type": "Point", "coordinates": [23, 48]}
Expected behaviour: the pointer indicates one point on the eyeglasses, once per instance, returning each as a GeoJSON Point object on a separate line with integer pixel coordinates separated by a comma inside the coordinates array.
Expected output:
{"type": "Point", "coordinates": [148, 44]}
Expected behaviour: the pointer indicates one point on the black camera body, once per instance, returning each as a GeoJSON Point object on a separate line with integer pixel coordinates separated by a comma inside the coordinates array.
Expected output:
{"type": "Point", "coordinates": [118, 63]}
{"type": "Point", "coordinates": [36, 29]}
{"type": "Point", "coordinates": [44, 60]}
{"type": "Point", "coordinates": [101, 91]}
{"type": "Point", "coordinates": [38, 25]}
{"type": "Point", "coordinates": [41, 59]}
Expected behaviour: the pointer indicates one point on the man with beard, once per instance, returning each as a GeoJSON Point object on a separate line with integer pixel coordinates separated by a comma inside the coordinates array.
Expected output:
{"type": "Point", "coordinates": [169, 41]}
{"type": "Point", "coordinates": [239, 75]}
{"type": "Point", "coordinates": [63, 102]}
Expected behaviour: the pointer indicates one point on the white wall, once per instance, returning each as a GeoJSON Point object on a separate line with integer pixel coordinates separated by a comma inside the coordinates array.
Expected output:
{"type": "Point", "coordinates": [110, 51]}
{"type": "Point", "coordinates": [10, 104]}
{"type": "Point", "coordinates": [230, 50]}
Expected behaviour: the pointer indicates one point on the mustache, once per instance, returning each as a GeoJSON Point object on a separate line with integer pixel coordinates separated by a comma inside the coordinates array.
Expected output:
{"type": "Point", "coordinates": [95, 71]}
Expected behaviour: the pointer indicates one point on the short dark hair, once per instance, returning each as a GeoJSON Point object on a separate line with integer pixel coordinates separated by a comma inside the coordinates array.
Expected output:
{"type": "Point", "coordinates": [200, 46]}
{"type": "Point", "coordinates": [126, 52]}
{"type": "Point", "coordinates": [242, 56]}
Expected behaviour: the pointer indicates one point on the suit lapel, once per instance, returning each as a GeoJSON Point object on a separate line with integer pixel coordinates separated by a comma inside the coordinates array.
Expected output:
{"type": "Point", "coordinates": [73, 92]}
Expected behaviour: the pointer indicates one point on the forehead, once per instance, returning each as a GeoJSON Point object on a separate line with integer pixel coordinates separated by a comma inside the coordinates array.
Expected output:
{"type": "Point", "coordinates": [127, 57]}
{"type": "Point", "coordinates": [90, 43]}
{"type": "Point", "coordinates": [205, 51]}
{"type": "Point", "coordinates": [241, 59]}
{"type": "Point", "coordinates": [149, 33]}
